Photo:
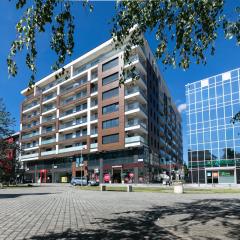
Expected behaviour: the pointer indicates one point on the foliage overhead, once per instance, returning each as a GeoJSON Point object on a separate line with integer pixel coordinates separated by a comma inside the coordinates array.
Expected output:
{"type": "Point", "coordinates": [184, 29]}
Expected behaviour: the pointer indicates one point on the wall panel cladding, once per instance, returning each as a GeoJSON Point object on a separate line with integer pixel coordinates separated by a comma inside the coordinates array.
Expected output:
{"type": "Point", "coordinates": [118, 114]}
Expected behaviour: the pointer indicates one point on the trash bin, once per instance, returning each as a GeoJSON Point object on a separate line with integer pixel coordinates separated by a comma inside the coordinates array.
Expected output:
{"type": "Point", "coordinates": [178, 188]}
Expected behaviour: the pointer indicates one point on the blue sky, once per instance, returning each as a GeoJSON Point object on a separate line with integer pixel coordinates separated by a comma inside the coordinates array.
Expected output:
{"type": "Point", "coordinates": [93, 29]}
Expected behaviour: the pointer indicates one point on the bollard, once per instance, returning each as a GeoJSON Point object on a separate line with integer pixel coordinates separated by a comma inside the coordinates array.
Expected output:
{"type": "Point", "coordinates": [102, 188]}
{"type": "Point", "coordinates": [129, 188]}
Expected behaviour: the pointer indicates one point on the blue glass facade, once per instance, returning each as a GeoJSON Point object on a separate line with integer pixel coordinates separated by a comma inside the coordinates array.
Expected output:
{"type": "Point", "coordinates": [213, 141]}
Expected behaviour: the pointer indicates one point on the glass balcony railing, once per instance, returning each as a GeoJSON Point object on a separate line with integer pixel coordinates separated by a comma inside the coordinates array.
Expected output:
{"type": "Point", "coordinates": [75, 110]}
{"type": "Point", "coordinates": [48, 141]}
{"type": "Point", "coordinates": [48, 153]}
{"type": "Point", "coordinates": [24, 147]}
{"type": "Point", "coordinates": [82, 134]}
{"type": "Point", "coordinates": [48, 119]}
{"type": "Point", "coordinates": [136, 122]}
{"type": "Point", "coordinates": [94, 75]}
{"type": "Point", "coordinates": [30, 126]}
{"type": "Point", "coordinates": [49, 97]}
{"type": "Point", "coordinates": [71, 149]}
{"type": "Point", "coordinates": [48, 130]}
{"type": "Point", "coordinates": [134, 90]}
{"type": "Point", "coordinates": [30, 135]}
{"type": "Point", "coordinates": [48, 108]}
{"type": "Point", "coordinates": [137, 57]}
{"type": "Point", "coordinates": [94, 131]}
{"type": "Point", "coordinates": [73, 123]}
{"type": "Point", "coordinates": [33, 104]}
{"type": "Point", "coordinates": [73, 85]}
{"type": "Point", "coordinates": [93, 145]}
{"type": "Point", "coordinates": [135, 139]}
{"type": "Point", "coordinates": [25, 156]}
{"type": "Point", "coordinates": [94, 117]}
{"type": "Point", "coordinates": [94, 103]}
{"type": "Point", "coordinates": [94, 89]}
{"type": "Point", "coordinates": [55, 82]}
{"type": "Point", "coordinates": [135, 105]}
{"type": "Point", "coordinates": [73, 98]}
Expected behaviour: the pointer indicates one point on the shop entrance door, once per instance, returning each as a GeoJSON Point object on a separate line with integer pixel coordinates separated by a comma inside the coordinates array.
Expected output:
{"type": "Point", "coordinates": [43, 175]}
{"type": "Point", "coordinates": [212, 177]}
{"type": "Point", "coordinates": [116, 175]}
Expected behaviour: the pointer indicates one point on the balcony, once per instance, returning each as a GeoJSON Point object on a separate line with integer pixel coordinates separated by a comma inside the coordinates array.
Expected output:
{"type": "Point", "coordinates": [30, 117]}
{"type": "Point", "coordinates": [94, 103]}
{"type": "Point", "coordinates": [137, 125]}
{"type": "Point", "coordinates": [73, 123]}
{"type": "Point", "coordinates": [49, 98]}
{"type": "Point", "coordinates": [48, 153]}
{"type": "Point", "coordinates": [135, 108]}
{"type": "Point", "coordinates": [73, 111]}
{"type": "Point", "coordinates": [48, 130]}
{"type": "Point", "coordinates": [135, 141]}
{"type": "Point", "coordinates": [30, 107]}
{"type": "Point", "coordinates": [27, 156]}
{"type": "Point", "coordinates": [30, 135]}
{"type": "Point", "coordinates": [54, 83]}
{"type": "Point", "coordinates": [48, 119]}
{"type": "Point", "coordinates": [142, 82]}
{"type": "Point", "coordinates": [44, 142]}
{"type": "Point", "coordinates": [73, 98]}
{"type": "Point", "coordinates": [94, 117]}
{"type": "Point", "coordinates": [93, 147]}
{"type": "Point", "coordinates": [136, 93]}
{"type": "Point", "coordinates": [138, 60]}
{"type": "Point", "coordinates": [49, 108]}
{"type": "Point", "coordinates": [73, 137]}
{"type": "Point", "coordinates": [29, 147]}
{"type": "Point", "coordinates": [94, 90]}
{"type": "Point", "coordinates": [26, 127]}
{"type": "Point", "coordinates": [72, 149]}
{"type": "Point", "coordinates": [73, 86]}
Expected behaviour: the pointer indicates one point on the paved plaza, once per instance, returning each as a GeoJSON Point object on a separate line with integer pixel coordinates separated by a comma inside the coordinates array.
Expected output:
{"type": "Point", "coordinates": [64, 212]}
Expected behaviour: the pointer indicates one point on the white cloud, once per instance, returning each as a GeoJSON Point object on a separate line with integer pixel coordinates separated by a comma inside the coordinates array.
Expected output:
{"type": "Point", "coordinates": [182, 107]}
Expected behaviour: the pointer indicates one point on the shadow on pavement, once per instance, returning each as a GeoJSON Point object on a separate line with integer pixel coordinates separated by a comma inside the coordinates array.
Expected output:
{"type": "Point", "coordinates": [154, 223]}
{"type": "Point", "coordinates": [15, 195]}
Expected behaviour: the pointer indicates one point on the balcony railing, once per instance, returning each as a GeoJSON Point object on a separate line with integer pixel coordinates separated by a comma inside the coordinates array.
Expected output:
{"type": "Point", "coordinates": [48, 108]}
{"type": "Point", "coordinates": [75, 97]}
{"type": "Point", "coordinates": [135, 139]}
{"type": "Point", "coordinates": [49, 97]}
{"type": "Point", "coordinates": [48, 141]}
{"type": "Point", "coordinates": [54, 83]}
{"type": "Point", "coordinates": [30, 126]}
{"type": "Point", "coordinates": [74, 110]}
{"type": "Point", "coordinates": [48, 119]}
{"type": "Point", "coordinates": [135, 105]}
{"type": "Point", "coordinates": [137, 57]}
{"type": "Point", "coordinates": [94, 131]}
{"type": "Point", "coordinates": [94, 103]}
{"type": "Point", "coordinates": [93, 145]}
{"type": "Point", "coordinates": [30, 106]}
{"type": "Point", "coordinates": [63, 138]}
{"type": "Point", "coordinates": [30, 135]}
{"type": "Point", "coordinates": [48, 152]}
{"type": "Point", "coordinates": [134, 90]}
{"type": "Point", "coordinates": [136, 122]}
{"type": "Point", "coordinates": [70, 124]}
{"type": "Point", "coordinates": [74, 85]}
{"type": "Point", "coordinates": [48, 130]}
{"type": "Point", "coordinates": [24, 147]}
{"type": "Point", "coordinates": [94, 117]}
{"type": "Point", "coordinates": [72, 149]}
{"type": "Point", "coordinates": [29, 155]}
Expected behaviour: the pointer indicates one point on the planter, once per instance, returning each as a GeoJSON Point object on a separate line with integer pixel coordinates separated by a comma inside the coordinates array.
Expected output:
{"type": "Point", "coordinates": [178, 188]}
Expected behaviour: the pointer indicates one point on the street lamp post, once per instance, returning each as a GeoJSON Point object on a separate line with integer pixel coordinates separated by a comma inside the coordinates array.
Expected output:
{"type": "Point", "coordinates": [170, 171]}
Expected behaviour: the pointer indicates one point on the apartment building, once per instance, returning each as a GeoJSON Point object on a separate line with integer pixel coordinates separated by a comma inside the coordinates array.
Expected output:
{"type": "Point", "coordinates": [213, 140]}
{"type": "Point", "coordinates": [118, 133]}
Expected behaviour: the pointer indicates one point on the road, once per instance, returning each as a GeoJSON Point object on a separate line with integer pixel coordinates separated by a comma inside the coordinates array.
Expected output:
{"type": "Point", "coordinates": [64, 212]}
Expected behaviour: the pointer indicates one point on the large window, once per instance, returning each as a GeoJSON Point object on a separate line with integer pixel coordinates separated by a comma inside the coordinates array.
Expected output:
{"type": "Point", "coordinates": [110, 138]}
{"type": "Point", "coordinates": [111, 93]}
{"type": "Point", "coordinates": [110, 64]}
{"type": "Point", "coordinates": [110, 108]}
{"type": "Point", "coordinates": [110, 123]}
{"type": "Point", "coordinates": [110, 78]}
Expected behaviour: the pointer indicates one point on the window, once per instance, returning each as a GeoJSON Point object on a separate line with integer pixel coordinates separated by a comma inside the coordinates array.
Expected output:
{"type": "Point", "coordinates": [111, 93]}
{"type": "Point", "coordinates": [110, 123]}
{"type": "Point", "coordinates": [110, 139]}
{"type": "Point", "coordinates": [110, 78]}
{"type": "Point", "coordinates": [110, 64]}
{"type": "Point", "coordinates": [110, 108]}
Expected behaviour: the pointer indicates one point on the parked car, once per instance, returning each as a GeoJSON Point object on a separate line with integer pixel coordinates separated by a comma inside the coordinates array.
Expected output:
{"type": "Point", "coordinates": [93, 183]}
{"type": "Point", "coordinates": [79, 181]}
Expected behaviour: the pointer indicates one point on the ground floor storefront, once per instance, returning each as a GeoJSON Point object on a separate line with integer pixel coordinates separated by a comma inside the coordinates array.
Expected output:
{"type": "Point", "coordinates": [125, 166]}
{"type": "Point", "coordinates": [215, 175]}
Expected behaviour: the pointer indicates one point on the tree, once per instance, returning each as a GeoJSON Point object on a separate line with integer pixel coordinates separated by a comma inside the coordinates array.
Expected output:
{"type": "Point", "coordinates": [184, 29]}
{"type": "Point", "coordinates": [7, 145]}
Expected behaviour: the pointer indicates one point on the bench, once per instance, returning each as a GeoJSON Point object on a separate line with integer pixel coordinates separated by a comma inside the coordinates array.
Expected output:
{"type": "Point", "coordinates": [103, 187]}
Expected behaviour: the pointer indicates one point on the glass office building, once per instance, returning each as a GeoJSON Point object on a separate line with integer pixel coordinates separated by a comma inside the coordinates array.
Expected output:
{"type": "Point", "coordinates": [213, 140]}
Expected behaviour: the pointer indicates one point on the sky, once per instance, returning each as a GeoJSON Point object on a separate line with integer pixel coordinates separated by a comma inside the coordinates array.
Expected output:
{"type": "Point", "coordinates": [93, 29]}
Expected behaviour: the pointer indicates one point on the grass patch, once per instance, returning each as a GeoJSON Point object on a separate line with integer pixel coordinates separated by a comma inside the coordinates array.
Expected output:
{"type": "Point", "coordinates": [163, 189]}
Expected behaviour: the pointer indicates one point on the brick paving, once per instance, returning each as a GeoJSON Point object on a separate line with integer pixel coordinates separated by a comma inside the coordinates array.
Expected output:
{"type": "Point", "coordinates": [64, 212]}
